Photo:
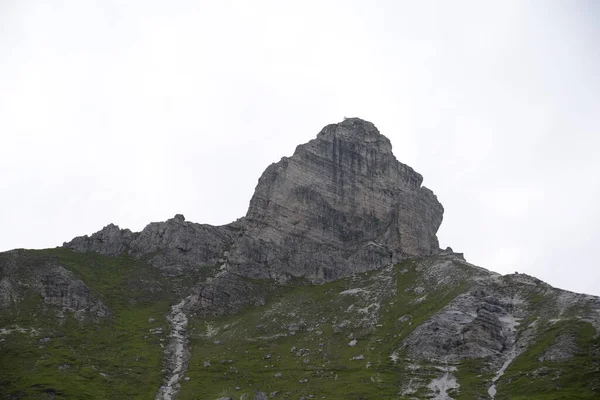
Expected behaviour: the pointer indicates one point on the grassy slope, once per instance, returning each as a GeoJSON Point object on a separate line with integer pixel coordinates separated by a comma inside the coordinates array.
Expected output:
{"type": "Point", "coordinates": [114, 357]}
{"type": "Point", "coordinates": [118, 358]}
{"type": "Point", "coordinates": [574, 378]}
{"type": "Point", "coordinates": [240, 358]}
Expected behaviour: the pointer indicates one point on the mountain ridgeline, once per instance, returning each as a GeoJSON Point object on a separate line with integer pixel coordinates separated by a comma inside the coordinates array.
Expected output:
{"type": "Point", "coordinates": [332, 286]}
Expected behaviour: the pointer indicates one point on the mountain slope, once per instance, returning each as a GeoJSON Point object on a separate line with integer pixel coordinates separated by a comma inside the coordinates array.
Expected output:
{"type": "Point", "coordinates": [332, 286]}
{"type": "Point", "coordinates": [390, 333]}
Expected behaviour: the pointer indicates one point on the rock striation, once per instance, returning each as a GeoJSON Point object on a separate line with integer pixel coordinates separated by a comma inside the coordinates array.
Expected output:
{"type": "Point", "coordinates": [173, 245]}
{"type": "Point", "coordinates": [341, 204]}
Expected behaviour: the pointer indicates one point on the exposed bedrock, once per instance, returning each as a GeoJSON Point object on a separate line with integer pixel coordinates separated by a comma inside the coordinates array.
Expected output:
{"type": "Point", "coordinates": [172, 245]}
{"type": "Point", "coordinates": [341, 204]}
{"type": "Point", "coordinates": [22, 276]}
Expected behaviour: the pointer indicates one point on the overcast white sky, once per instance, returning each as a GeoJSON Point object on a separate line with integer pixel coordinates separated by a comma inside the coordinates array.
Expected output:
{"type": "Point", "coordinates": [133, 111]}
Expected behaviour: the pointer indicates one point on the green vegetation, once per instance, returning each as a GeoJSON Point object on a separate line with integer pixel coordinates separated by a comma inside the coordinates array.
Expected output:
{"type": "Point", "coordinates": [298, 343]}
{"type": "Point", "coordinates": [577, 377]}
{"type": "Point", "coordinates": [473, 378]}
{"type": "Point", "coordinates": [342, 339]}
{"type": "Point", "coordinates": [112, 357]}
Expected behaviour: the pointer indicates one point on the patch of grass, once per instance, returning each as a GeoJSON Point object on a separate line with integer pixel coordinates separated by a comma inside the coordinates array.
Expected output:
{"type": "Point", "coordinates": [474, 379]}
{"type": "Point", "coordinates": [112, 357]}
{"type": "Point", "coordinates": [575, 378]}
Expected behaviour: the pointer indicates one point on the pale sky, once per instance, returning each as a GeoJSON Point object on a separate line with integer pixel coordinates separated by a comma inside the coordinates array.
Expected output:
{"type": "Point", "coordinates": [130, 112]}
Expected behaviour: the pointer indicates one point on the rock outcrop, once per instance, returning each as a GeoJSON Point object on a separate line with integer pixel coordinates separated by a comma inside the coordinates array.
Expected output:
{"type": "Point", "coordinates": [55, 285]}
{"type": "Point", "coordinates": [110, 241]}
{"type": "Point", "coordinates": [226, 293]}
{"type": "Point", "coordinates": [341, 204]}
{"type": "Point", "coordinates": [58, 287]}
{"type": "Point", "coordinates": [173, 245]}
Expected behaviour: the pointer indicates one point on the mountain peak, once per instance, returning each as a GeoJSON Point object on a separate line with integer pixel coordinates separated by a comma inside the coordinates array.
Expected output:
{"type": "Point", "coordinates": [356, 130]}
{"type": "Point", "coordinates": [426, 322]}
{"type": "Point", "coordinates": [341, 204]}
{"type": "Point", "coordinates": [356, 126]}
{"type": "Point", "coordinates": [345, 196]}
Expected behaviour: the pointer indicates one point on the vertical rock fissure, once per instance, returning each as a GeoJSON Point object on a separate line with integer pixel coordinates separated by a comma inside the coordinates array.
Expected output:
{"type": "Point", "coordinates": [511, 356]}
{"type": "Point", "coordinates": [176, 353]}
{"type": "Point", "coordinates": [513, 352]}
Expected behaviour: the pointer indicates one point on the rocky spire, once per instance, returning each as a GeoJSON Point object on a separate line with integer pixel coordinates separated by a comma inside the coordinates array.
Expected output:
{"type": "Point", "coordinates": [341, 204]}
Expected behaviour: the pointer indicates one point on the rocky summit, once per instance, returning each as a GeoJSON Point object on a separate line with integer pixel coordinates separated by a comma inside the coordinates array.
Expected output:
{"type": "Point", "coordinates": [331, 286]}
{"type": "Point", "coordinates": [341, 204]}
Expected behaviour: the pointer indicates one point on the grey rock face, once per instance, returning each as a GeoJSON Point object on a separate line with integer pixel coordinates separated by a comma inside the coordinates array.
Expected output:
{"type": "Point", "coordinates": [172, 245]}
{"type": "Point", "coordinates": [55, 285]}
{"type": "Point", "coordinates": [110, 241]}
{"type": "Point", "coordinates": [475, 325]}
{"type": "Point", "coordinates": [7, 293]}
{"type": "Point", "coordinates": [59, 287]}
{"type": "Point", "coordinates": [177, 242]}
{"type": "Point", "coordinates": [341, 204]}
{"type": "Point", "coordinates": [225, 294]}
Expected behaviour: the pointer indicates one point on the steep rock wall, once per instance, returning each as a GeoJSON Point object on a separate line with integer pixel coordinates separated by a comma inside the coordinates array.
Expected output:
{"type": "Point", "coordinates": [341, 204]}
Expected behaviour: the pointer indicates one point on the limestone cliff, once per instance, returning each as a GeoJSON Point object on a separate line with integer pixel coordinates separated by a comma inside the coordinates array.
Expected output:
{"type": "Point", "coordinates": [341, 204]}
